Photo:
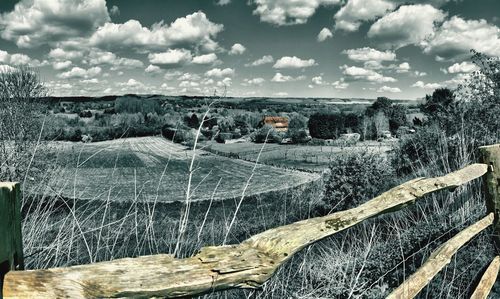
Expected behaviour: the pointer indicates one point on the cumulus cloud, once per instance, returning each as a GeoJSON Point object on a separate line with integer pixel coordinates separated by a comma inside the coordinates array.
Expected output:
{"type": "Point", "coordinates": [217, 72]}
{"type": "Point", "coordinates": [226, 82]}
{"type": "Point", "coordinates": [61, 65]}
{"type": "Point", "coordinates": [263, 60]}
{"type": "Point", "coordinates": [152, 69]}
{"type": "Point", "coordinates": [280, 78]}
{"type": "Point", "coordinates": [354, 12]}
{"type": "Point", "coordinates": [369, 54]}
{"type": "Point", "coordinates": [287, 62]}
{"type": "Point", "coordinates": [18, 59]}
{"type": "Point", "coordinates": [131, 83]}
{"type": "Point", "coordinates": [98, 57]}
{"type": "Point", "coordinates": [36, 22]}
{"type": "Point", "coordinates": [223, 2]}
{"type": "Point", "coordinates": [421, 84]}
{"type": "Point", "coordinates": [78, 72]}
{"type": "Point", "coordinates": [6, 68]}
{"type": "Point", "coordinates": [324, 34]}
{"type": "Point", "coordinates": [340, 84]}
{"type": "Point", "coordinates": [403, 68]}
{"type": "Point", "coordinates": [285, 12]}
{"type": "Point", "coordinates": [410, 24]}
{"type": "Point", "coordinates": [205, 59]}
{"type": "Point", "coordinates": [253, 81]}
{"type": "Point", "coordinates": [355, 73]}
{"type": "Point", "coordinates": [195, 29]}
{"type": "Point", "coordinates": [463, 67]}
{"type": "Point", "coordinates": [62, 54]}
{"type": "Point", "coordinates": [114, 11]}
{"type": "Point", "coordinates": [389, 89]}
{"type": "Point", "coordinates": [237, 49]}
{"type": "Point", "coordinates": [457, 36]}
{"type": "Point", "coordinates": [171, 58]}
{"type": "Point", "coordinates": [318, 80]}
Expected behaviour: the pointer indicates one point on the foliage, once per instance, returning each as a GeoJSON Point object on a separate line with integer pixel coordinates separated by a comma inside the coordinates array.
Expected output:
{"type": "Point", "coordinates": [326, 125]}
{"type": "Point", "coordinates": [129, 104]}
{"type": "Point", "coordinates": [266, 133]}
{"type": "Point", "coordinates": [20, 121]}
{"type": "Point", "coordinates": [355, 178]}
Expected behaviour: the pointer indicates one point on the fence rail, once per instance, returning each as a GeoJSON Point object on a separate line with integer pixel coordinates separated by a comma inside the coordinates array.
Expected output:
{"type": "Point", "coordinates": [252, 262]}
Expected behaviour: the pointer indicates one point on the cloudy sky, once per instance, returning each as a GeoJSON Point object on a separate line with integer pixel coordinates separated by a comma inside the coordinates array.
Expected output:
{"type": "Point", "coordinates": [296, 48]}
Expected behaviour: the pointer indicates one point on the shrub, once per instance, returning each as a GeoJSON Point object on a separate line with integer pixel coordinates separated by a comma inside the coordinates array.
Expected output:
{"type": "Point", "coordinates": [355, 178]}
{"type": "Point", "coordinates": [268, 131]}
{"type": "Point", "coordinates": [325, 125]}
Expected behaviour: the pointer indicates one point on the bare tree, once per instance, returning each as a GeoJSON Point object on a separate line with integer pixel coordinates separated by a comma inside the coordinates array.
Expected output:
{"type": "Point", "coordinates": [20, 121]}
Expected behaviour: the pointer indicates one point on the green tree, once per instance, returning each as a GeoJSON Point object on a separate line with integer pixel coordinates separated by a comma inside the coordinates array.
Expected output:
{"type": "Point", "coordinates": [326, 125]}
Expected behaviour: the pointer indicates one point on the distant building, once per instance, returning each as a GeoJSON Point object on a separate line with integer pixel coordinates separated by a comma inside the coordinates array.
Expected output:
{"type": "Point", "coordinates": [277, 122]}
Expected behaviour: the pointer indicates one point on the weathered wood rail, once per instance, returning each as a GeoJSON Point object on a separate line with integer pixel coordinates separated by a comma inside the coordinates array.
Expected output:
{"type": "Point", "coordinates": [252, 262]}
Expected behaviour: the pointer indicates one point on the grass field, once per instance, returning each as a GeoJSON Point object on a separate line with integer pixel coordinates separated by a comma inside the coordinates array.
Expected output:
{"type": "Point", "coordinates": [152, 168]}
{"type": "Point", "coordinates": [305, 157]}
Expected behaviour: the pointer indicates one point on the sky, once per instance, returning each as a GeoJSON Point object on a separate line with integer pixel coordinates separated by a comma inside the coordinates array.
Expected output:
{"type": "Point", "coordinates": [401, 49]}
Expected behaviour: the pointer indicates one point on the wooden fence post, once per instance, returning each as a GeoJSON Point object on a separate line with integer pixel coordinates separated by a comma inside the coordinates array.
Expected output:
{"type": "Point", "coordinates": [11, 244]}
{"type": "Point", "coordinates": [490, 155]}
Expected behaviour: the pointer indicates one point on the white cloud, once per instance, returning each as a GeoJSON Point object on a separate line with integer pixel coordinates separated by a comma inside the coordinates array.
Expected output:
{"type": "Point", "coordinates": [286, 12]}
{"type": "Point", "coordinates": [36, 22]}
{"type": "Point", "coordinates": [419, 74]}
{"type": "Point", "coordinates": [131, 83]}
{"type": "Point", "coordinates": [205, 59]}
{"type": "Point", "coordinates": [410, 24]}
{"type": "Point", "coordinates": [19, 59]}
{"type": "Point", "coordinates": [355, 73]}
{"type": "Point", "coordinates": [172, 57]}
{"type": "Point", "coordinates": [195, 29]}
{"type": "Point", "coordinates": [223, 2]}
{"type": "Point", "coordinates": [61, 54]}
{"type": "Point", "coordinates": [189, 84]}
{"type": "Point", "coordinates": [403, 68]}
{"type": "Point", "coordinates": [318, 80]}
{"type": "Point", "coordinates": [114, 11]}
{"type": "Point", "coordinates": [263, 60]}
{"type": "Point", "coordinates": [278, 77]}
{"type": "Point", "coordinates": [189, 77]}
{"type": "Point", "coordinates": [340, 84]}
{"type": "Point", "coordinates": [152, 69]}
{"type": "Point", "coordinates": [60, 65]}
{"type": "Point", "coordinates": [253, 81]}
{"type": "Point", "coordinates": [216, 72]}
{"type": "Point", "coordinates": [324, 34]}
{"type": "Point", "coordinates": [237, 49]}
{"type": "Point", "coordinates": [90, 81]}
{"type": "Point", "coordinates": [369, 54]}
{"type": "Point", "coordinates": [98, 57]}
{"type": "Point", "coordinates": [457, 36]}
{"type": "Point", "coordinates": [7, 68]}
{"type": "Point", "coordinates": [463, 67]}
{"type": "Point", "coordinates": [226, 82]}
{"type": "Point", "coordinates": [294, 62]}
{"type": "Point", "coordinates": [281, 94]}
{"type": "Point", "coordinates": [351, 15]}
{"type": "Point", "coordinates": [389, 89]}
{"type": "Point", "coordinates": [421, 84]}
{"type": "Point", "coordinates": [77, 72]}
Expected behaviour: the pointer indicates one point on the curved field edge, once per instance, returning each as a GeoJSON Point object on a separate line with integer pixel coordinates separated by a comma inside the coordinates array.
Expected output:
{"type": "Point", "coordinates": [154, 169]}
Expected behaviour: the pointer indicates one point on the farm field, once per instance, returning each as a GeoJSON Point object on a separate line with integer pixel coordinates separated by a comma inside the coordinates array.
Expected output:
{"type": "Point", "coordinates": [154, 169]}
{"type": "Point", "coordinates": [306, 157]}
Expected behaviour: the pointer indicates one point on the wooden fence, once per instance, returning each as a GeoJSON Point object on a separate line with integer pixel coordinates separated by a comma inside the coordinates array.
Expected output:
{"type": "Point", "coordinates": [250, 263]}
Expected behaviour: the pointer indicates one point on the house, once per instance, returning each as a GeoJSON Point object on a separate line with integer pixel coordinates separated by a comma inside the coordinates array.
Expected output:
{"type": "Point", "coordinates": [277, 122]}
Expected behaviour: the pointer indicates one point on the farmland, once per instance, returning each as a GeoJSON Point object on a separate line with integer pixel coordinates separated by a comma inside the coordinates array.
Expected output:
{"type": "Point", "coordinates": [304, 157]}
{"type": "Point", "coordinates": [154, 169]}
